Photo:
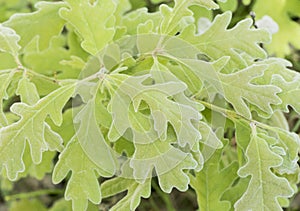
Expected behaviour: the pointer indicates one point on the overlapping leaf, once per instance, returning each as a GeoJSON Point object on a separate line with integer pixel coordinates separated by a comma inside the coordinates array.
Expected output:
{"type": "Point", "coordinates": [135, 190]}
{"type": "Point", "coordinates": [173, 17]}
{"type": "Point", "coordinates": [290, 89]}
{"type": "Point", "coordinates": [168, 162]}
{"type": "Point", "coordinates": [218, 41]}
{"type": "Point", "coordinates": [264, 187]}
{"type": "Point", "coordinates": [91, 138]}
{"type": "Point", "coordinates": [9, 41]}
{"type": "Point", "coordinates": [239, 83]}
{"type": "Point", "coordinates": [9, 45]}
{"type": "Point", "coordinates": [93, 21]}
{"type": "Point", "coordinates": [163, 110]}
{"type": "Point", "coordinates": [83, 184]}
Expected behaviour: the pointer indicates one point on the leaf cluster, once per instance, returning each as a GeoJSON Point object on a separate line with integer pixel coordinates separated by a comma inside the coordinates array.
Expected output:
{"type": "Point", "coordinates": [93, 91]}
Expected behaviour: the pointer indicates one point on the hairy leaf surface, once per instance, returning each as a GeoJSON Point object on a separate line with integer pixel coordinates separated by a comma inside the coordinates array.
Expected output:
{"type": "Point", "coordinates": [265, 187]}
{"type": "Point", "coordinates": [93, 21]}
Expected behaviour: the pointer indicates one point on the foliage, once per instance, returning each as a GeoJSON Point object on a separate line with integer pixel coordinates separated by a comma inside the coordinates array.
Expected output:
{"type": "Point", "coordinates": [105, 98]}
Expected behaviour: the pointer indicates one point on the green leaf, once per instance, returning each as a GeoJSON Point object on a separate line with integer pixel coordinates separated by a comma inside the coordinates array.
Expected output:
{"type": "Point", "coordinates": [218, 41]}
{"type": "Point", "coordinates": [83, 184]}
{"type": "Point", "coordinates": [91, 138]}
{"type": "Point", "coordinates": [290, 89]}
{"type": "Point", "coordinates": [172, 17]}
{"type": "Point", "coordinates": [163, 110]}
{"type": "Point", "coordinates": [9, 41]}
{"type": "Point", "coordinates": [42, 25]}
{"type": "Point", "coordinates": [208, 191]}
{"type": "Point", "coordinates": [27, 92]}
{"type": "Point", "coordinates": [265, 187]}
{"type": "Point", "coordinates": [135, 190]}
{"type": "Point", "coordinates": [32, 127]}
{"type": "Point", "coordinates": [39, 61]}
{"type": "Point", "coordinates": [239, 83]}
{"type": "Point", "coordinates": [135, 18]}
{"type": "Point", "coordinates": [93, 21]}
{"type": "Point", "coordinates": [169, 164]}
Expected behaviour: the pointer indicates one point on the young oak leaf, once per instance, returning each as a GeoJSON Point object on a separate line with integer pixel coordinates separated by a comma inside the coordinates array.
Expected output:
{"type": "Point", "coordinates": [31, 128]}
{"type": "Point", "coordinates": [163, 110]}
{"type": "Point", "coordinates": [238, 83]}
{"type": "Point", "coordinates": [290, 89]}
{"type": "Point", "coordinates": [264, 187]}
{"type": "Point", "coordinates": [9, 41]}
{"type": "Point", "coordinates": [169, 164]}
{"type": "Point", "coordinates": [91, 138]}
{"type": "Point", "coordinates": [83, 184]}
{"type": "Point", "coordinates": [218, 41]}
{"type": "Point", "coordinates": [29, 95]}
{"type": "Point", "coordinates": [8, 44]}
{"type": "Point", "coordinates": [49, 24]}
{"type": "Point", "coordinates": [135, 190]}
{"type": "Point", "coordinates": [209, 193]}
{"type": "Point", "coordinates": [173, 17]}
{"type": "Point", "coordinates": [93, 21]}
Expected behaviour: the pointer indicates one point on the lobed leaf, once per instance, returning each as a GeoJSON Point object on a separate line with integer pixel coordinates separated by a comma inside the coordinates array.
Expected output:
{"type": "Point", "coordinates": [31, 128]}
{"type": "Point", "coordinates": [9, 41]}
{"type": "Point", "coordinates": [218, 41]}
{"type": "Point", "coordinates": [264, 187]}
{"type": "Point", "coordinates": [239, 83]}
{"type": "Point", "coordinates": [172, 17]}
{"type": "Point", "coordinates": [163, 110]}
{"type": "Point", "coordinates": [135, 191]}
{"type": "Point", "coordinates": [92, 140]}
{"type": "Point", "coordinates": [169, 164]}
{"type": "Point", "coordinates": [93, 21]}
{"type": "Point", "coordinates": [83, 184]}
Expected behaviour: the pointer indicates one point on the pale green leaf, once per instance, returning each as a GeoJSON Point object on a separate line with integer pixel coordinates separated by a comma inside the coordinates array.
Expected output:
{"type": "Point", "coordinates": [92, 140]}
{"type": "Point", "coordinates": [37, 171]}
{"type": "Point", "coordinates": [132, 20]}
{"type": "Point", "coordinates": [163, 110]}
{"type": "Point", "coordinates": [174, 17]}
{"type": "Point", "coordinates": [27, 91]}
{"type": "Point", "coordinates": [41, 25]}
{"type": "Point", "coordinates": [39, 61]}
{"type": "Point", "coordinates": [83, 184]}
{"type": "Point", "coordinates": [219, 41]}
{"type": "Point", "coordinates": [169, 164]}
{"type": "Point", "coordinates": [93, 21]}
{"type": "Point", "coordinates": [264, 187]}
{"type": "Point", "coordinates": [31, 128]}
{"type": "Point", "coordinates": [239, 83]}
{"type": "Point", "coordinates": [9, 41]}
{"type": "Point", "coordinates": [209, 140]}
{"type": "Point", "coordinates": [290, 89]}
{"type": "Point", "coordinates": [135, 190]}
